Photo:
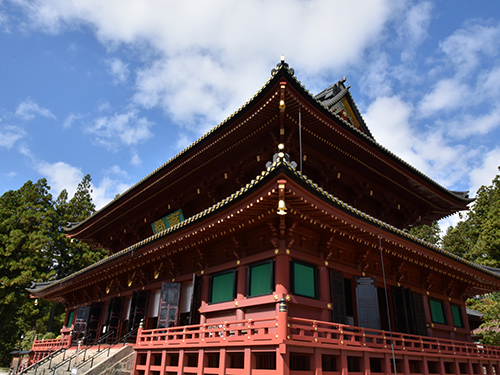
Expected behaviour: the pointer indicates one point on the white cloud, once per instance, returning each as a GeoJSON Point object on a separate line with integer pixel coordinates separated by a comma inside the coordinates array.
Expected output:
{"type": "Point", "coordinates": [118, 69]}
{"type": "Point", "coordinates": [117, 171]}
{"type": "Point", "coordinates": [10, 134]}
{"type": "Point", "coordinates": [106, 191]}
{"type": "Point", "coordinates": [446, 94]}
{"type": "Point", "coordinates": [389, 121]}
{"type": "Point", "coordinates": [484, 173]}
{"type": "Point", "coordinates": [200, 62]}
{"type": "Point", "coordinates": [183, 141]}
{"type": "Point", "coordinates": [68, 122]}
{"type": "Point", "coordinates": [29, 109]}
{"type": "Point", "coordinates": [125, 129]}
{"type": "Point", "coordinates": [414, 29]}
{"type": "Point", "coordinates": [488, 85]}
{"type": "Point", "coordinates": [466, 46]}
{"type": "Point", "coordinates": [61, 175]}
{"type": "Point", "coordinates": [135, 159]}
{"type": "Point", "coordinates": [376, 80]}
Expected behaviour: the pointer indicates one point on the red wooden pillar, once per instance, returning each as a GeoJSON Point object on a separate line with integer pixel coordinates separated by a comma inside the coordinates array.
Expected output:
{"type": "Point", "coordinates": [317, 364]}
{"type": "Point", "coordinates": [470, 368]}
{"type": "Point", "coordinates": [425, 365]}
{"type": "Point", "coordinates": [147, 371]}
{"type": "Point", "coordinates": [241, 291]}
{"type": "Point", "coordinates": [222, 361]}
{"type": "Point", "coordinates": [489, 368]}
{"type": "Point", "coordinates": [201, 362]}
{"type": "Point", "coordinates": [324, 291]}
{"type": "Point", "coordinates": [247, 367]}
{"type": "Point", "coordinates": [205, 290]}
{"type": "Point", "coordinates": [163, 361]}
{"type": "Point", "coordinates": [465, 321]}
{"type": "Point", "coordinates": [406, 364]}
{"type": "Point", "coordinates": [282, 271]}
{"type": "Point", "coordinates": [282, 360]}
{"type": "Point", "coordinates": [366, 364]}
{"type": "Point", "coordinates": [441, 366]}
{"type": "Point", "coordinates": [343, 362]}
{"type": "Point", "coordinates": [388, 364]}
{"type": "Point", "coordinates": [180, 364]}
{"type": "Point", "coordinates": [428, 318]}
{"type": "Point", "coordinates": [449, 317]}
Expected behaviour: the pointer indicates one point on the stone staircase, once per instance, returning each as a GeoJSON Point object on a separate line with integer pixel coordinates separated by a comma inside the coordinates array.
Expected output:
{"type": "Point", "coordinates": [119, 362]}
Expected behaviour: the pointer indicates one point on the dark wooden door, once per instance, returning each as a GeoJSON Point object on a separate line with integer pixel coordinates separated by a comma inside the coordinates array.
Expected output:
{"type": "Point", "coordinates": [169, 305]}
{"type": "Point", "coordinates": [114, 318]}
{"type": "Point", "coordinates": [95, 320]}
{"type": "Point", "coordinates": [419, 311]}
{"type": "Point", "coordinates": [138, 309]}
{"type": "Point", "coordinates": [81, 322]}
{"type": "Point", "coordinates": [338, 297]}
{"type": "Point", "coordinates": [409, 311]}
{"type": "Point", "coordinates": [401, 311]}
{"type": "Point", "coordinates": [367, 302]}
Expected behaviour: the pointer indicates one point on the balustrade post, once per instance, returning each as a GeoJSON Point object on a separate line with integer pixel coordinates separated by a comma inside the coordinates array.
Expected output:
{"type": "Point", "coordinates": [282, 320]}
{"type": "Point", "coordinates": [139, 332]}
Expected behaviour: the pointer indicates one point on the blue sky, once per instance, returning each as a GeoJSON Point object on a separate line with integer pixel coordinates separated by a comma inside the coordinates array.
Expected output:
{"type": "Point", "coordinates": [116, 88]}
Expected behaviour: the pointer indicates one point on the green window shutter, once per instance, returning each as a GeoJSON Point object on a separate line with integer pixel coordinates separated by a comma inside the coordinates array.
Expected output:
{"type": "Point", "coordinates": [70, 318]}
{"type": "Point", "coordinates": [222, 287]}
{"type": "Point", "coordinates": [304, 280]}
{"type": "Point", "coordinates": [260, 279]}
{"type": "Point", "coordinates": [437, 311]}
{"type": "Point", "coordinates": [457, 317]}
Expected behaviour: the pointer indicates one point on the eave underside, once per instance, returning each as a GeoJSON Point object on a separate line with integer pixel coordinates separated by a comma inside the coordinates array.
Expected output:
{"type": "Point", "coordinates": [340, 158]}
{"type": "Point", "coordinates": [315, 223]}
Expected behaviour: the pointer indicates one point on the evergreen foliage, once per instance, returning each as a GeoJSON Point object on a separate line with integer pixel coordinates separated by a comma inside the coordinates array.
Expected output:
{"type": "Point", "coordinates": [34, 247]}
{"type": "Point", "coordinates": [477, 238]}
{"type": "Point", "coordinates": [428, 233]}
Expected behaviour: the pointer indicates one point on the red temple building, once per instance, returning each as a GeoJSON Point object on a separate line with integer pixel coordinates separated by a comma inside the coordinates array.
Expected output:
{"type": "Point", "coordinates": [277, 244]}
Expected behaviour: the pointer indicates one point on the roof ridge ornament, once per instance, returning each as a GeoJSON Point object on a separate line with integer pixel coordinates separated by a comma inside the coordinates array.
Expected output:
{"type": "Point", "coordinates": [282, 64]}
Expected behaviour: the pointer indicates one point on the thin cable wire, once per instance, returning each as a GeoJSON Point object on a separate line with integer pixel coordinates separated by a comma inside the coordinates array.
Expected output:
{"type": "Point", "coordinates": [387, 300]}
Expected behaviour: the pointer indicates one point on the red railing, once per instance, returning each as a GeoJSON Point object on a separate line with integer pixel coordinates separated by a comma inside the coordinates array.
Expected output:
{"type": "Point", "coordinates": [309, 333]}
{"type": "Point", "coordinates": [247, 332]}
{"type": "Point", "coordinates": [314, 332]}
{"type": "Point", "coordinates": [51, 345]}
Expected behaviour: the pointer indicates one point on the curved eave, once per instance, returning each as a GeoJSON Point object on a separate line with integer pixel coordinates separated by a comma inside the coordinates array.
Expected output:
{"type": "Point", "coordinates": [282, 73]}
{"type": "Point", "coordinates": [206, 138]}
{"type": "Point", "coordinates": [368, 138]}
{"type": "Point", "coordinates": [279, 167]}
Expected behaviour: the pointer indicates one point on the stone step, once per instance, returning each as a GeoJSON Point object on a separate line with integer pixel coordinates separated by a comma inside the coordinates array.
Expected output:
{"type": "Point", "coordinates": [63, 370]}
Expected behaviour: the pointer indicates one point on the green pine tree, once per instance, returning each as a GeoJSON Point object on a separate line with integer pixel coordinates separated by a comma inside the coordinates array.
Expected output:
{"type": "Point", "coordinates": [34, 247]}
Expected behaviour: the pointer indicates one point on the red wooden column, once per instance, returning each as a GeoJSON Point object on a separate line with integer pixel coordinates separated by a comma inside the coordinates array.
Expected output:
{"type": "Point", "coordinates": [428, 318]}
{"type": "Point", "coordinates": [282, 271]}
{"type": "Point", "coordinates": [241, 291]}
{"type": "Point", "coordinates": [465, 321]}
{"type": "Point", "coordinates": [449, 317]}
{"type": "Point", "coordinates": [205, 290]}
{"type": "Point", "coordinates": [343, 362]}
{"type": "Point", "coordinates": [247, 366]}
{"type": "Point", "coordinates": [163, 361]}
{"type": "Point", "coordinates": [366, 363]}
{"type": "Point", "coordinates": [324, 290]}
{"type": "Point", "coordinates": [222, 361]}
{"type": "Point", "coordinates": [425, 364]}
{"type": "Point", "coordinates": [282, 286]}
